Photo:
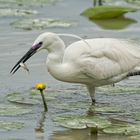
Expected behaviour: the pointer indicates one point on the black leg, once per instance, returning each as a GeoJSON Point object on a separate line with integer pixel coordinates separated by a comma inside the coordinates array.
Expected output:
{"type": "Point", "coordinates": [91, 110]}
{"type": "Point", "coordinates": [93, 101]}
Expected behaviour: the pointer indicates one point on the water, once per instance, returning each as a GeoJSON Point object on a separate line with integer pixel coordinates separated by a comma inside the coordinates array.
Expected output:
{"type": "Point", "coordinates": [15, 42]}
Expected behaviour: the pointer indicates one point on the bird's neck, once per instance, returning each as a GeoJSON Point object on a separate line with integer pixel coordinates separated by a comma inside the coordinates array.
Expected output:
{"type": "Point", "coordinates": [56, 52]}
{"type": "Point", "coordinates": [55, 59]}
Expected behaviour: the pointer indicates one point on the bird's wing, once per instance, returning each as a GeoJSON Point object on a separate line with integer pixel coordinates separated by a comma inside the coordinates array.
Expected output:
{"type": "Point", "coordinates": [107, 62]}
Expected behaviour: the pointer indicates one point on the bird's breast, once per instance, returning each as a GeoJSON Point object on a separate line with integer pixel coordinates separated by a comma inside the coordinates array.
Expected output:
{"type": "Point", "coordinates": [67, 72]}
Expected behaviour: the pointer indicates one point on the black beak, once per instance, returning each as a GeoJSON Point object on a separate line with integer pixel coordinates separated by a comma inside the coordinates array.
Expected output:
{"type": "Point", "coordinates": [31, 52]}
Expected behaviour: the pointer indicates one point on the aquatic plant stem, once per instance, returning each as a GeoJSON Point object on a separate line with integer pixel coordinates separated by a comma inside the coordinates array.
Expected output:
{"type": "Point", "coordinates": [94, 2]}
{"type": "Point", "coordinates": [44, 101]}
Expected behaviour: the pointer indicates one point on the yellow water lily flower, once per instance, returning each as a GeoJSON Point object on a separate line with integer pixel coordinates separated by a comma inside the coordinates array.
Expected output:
{"type": "Point", "coordinates": [40, 86]}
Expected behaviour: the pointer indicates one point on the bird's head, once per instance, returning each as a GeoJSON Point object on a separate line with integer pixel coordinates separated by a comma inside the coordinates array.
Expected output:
{"type": "Point", "coordinates": [43, 41]}
{"type": "Point", "coordinates": [49, 41]}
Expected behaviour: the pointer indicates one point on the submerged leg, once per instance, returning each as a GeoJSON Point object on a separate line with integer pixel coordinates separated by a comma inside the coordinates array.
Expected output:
{"type": "Point", "coordinates": [91, 90]}
{"type": "Point", "coordinates": [100, 2]}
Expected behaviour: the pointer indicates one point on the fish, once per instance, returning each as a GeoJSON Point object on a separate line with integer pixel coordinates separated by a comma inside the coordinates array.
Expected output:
{"type": "Point", "coordinates": [24, 66]}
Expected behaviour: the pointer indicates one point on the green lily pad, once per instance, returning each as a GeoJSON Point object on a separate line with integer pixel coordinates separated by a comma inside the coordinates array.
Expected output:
{"type": "Point", "coordinates": [108, 109]}
{"type": "Point", "coordinates": [72, 105]}
{"type": "Point", "coordinates": [84, 106]}
{"type": "Point", "coordinates": [7, 126]}
{"type": "Point", "coordinates": [12, 110]}
{"type": "Point", "coordinates": [81, 122]}
{"type": "Point", "coordinates": [26, 2]}
{"type": "Point", "coordinates": [16, 12]}
{"type": "Point", "coordinates": [29, 24]}
{"type": "Point", "coordinates": [107, 12]}
{"type": "Point", "coordinates": [137, 2]}
{"type": "Point", "coordinates": [137, 116]}
{"type": "Point", "coordinates": [31, 97]}
{"type": "Point", "coordinates": [22, 99]}
{"type": "Point", "coordinates": [49, 95]}
{"type": "Point", "coordinates": [113, 90]}
{"type": "Point", "coordinates": [14, 139]}
{"type": "Point", "coordinates": [128, 129]}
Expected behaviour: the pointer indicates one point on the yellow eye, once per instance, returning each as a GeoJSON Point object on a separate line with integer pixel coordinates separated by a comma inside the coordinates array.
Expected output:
{"type": "Point", "coordinates": [40, 86]}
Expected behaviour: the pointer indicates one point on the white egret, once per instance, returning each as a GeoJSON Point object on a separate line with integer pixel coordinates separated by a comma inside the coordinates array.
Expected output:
{"type": "Point", "coordinates": [92, 62]}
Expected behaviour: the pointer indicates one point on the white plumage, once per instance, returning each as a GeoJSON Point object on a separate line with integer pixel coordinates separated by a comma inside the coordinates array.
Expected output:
{"type": "Point", "coordinates": [92, 62]}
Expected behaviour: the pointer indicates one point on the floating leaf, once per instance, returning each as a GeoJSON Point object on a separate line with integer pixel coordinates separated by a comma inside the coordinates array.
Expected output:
{"type": "Point", "coordinates": [137, 2]}
{"type": "Point", "coordinates": [137, 116]}
{"type": "Point", "coordinates": [14, 139]}
{"type": "Point", "coordinates": [49, 95]}
{"type": "Point", "coordinates": [81, 122]}
{"type": "Point", "coordinates": [82, 105]}
{"type": "Point", "coordinates": [107, 12]}
{"type": "Point", "coordinates": [7, 126]}
{"type": "Point", "coordinates": [32, 97]}
{"type": "Point", "coordinates": [73, 124]}
{"type": "Point", "coordinates": [128, 129]}
{"type": "Point", "coordinates": [108, 109]}
{"type": "Point", "coordinates": [72, 106]}
{"type": "Point", "coordinates": [11, 110]}
{"type": "Point", "coordinates": [26, 2]}
{"type": "Point", "coordinates": [22, 99]}
{"type": "Point", "coordinates": [119, 89]}
{"type": "Point", "coordinates": [29, 24]}
{"type": "Point", "coordinates": [16, 12]}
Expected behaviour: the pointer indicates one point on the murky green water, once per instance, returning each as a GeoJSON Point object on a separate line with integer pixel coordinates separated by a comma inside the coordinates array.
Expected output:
{"type": "Point", "coordinates": [63, 98]}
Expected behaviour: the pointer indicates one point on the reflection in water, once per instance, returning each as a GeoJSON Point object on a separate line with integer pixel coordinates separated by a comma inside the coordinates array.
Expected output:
{"type": "Point", "coordinates": [95, 2]}
{"type": "Point", "coordinates": [115, 24]}
{"type": "Point", "coordinates": [83, 134]}
{"type": "Point", "coordinates": [39, 130]}
{"type": "Point", "coordinates": [71, 135]}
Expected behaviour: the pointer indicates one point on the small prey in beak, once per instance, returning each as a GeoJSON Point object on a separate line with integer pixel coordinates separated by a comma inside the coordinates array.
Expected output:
{"type": "Point", "coordinates": [21, 62]}
{"type": "Point", "coordinates": [24, 66]}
